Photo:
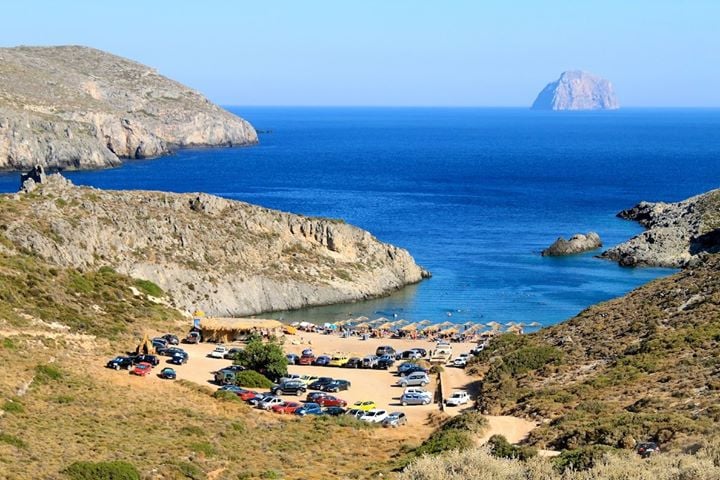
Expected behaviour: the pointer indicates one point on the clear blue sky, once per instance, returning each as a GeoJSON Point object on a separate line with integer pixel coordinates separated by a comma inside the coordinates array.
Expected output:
{"type": "Point", "coordinates": [395, 52]}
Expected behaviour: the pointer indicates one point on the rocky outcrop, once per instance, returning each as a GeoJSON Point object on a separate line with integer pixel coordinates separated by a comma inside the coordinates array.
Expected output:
{"type": "Point", "coordinates": [578, 243]}
{"type": "Point", "coordinates": [677, 234]}
{"type": "Point", "coordinates": [225, 257]}
{"type": "Point", "coordinates": [76, 107]}
{"type": "Point", "coordinates": [577, 90]}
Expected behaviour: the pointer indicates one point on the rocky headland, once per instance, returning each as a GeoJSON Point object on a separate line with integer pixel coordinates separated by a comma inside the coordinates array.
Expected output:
{"type": "Point", "coordinates": [577, 90]}
{"type": "Point", "coordinates": [676, 235]}
{"type": "Point", "coordinates": [226, 257]}
{"type": "Point", "coordinates": [74, 107]}
{"type": "Point", "coordinates": [578, 243]}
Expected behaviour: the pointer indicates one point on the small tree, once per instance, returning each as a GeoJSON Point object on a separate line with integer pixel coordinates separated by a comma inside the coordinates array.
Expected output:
{"type": "Point", "coordinates": [266, 358]}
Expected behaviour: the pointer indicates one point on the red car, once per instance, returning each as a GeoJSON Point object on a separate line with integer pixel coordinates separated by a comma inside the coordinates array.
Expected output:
{"type": "Point", "coordinates": [287, 407]}
{"type": "Point", "coordinates": [141, 369]}
{"type": "Point", "coordinates": [247, 395]}
{"type": "Point", "coordinates": [307, 359]}
{"type": "Point", "coordinates": [330, 401]}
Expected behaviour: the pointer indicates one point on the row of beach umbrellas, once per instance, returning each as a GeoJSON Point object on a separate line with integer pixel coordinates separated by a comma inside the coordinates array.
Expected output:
{"type": "Point", "coordinates": [426, 326]}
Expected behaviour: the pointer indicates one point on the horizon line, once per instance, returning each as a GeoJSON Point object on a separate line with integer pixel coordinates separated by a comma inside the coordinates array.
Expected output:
{"type": "Point", "coordinates": [508, 107]}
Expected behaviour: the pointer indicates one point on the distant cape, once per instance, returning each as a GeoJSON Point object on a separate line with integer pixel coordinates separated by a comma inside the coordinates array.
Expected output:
{"type": "Point", "coordinates": [577, 90]}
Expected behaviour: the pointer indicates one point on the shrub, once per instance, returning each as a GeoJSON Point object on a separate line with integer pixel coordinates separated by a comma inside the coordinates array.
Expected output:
{"type": "Point", "coordinates": [148, 288]}
{"type": "Point", "coordinates": [457, 433]}
{"type": "Point", "coordinates": [225, 395]}
{"type": "Point", "coordinates": [266, 358]}
{"type": "Point", "coordinates": [12, 440]}
{"type": "Point", "coordinates": [13, 406]}
{"type": "Point", "coordinates": [116, 470]}
{"type": "Point", "coordinates": [251, 379]}
{"type": "Point", "coordinates": [8, 344]}
{"type": "Point", "coordinates": [189, 470]}
{"type": "Point", "coordinates": [583, 458]}
{"type": "Point", "coordinates": [47, 373]}
{"type": "Point", "coordinates": [206, 448]}
{"type": "Point", "coordinates": [500, 447]}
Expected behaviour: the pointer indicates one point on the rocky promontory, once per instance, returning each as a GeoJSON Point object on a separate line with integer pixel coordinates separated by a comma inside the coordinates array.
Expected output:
{"type": "Point", "coordinates": [578, 243]}
{"type": "Point", "coordinates": [577, 90]}
{"type": "Point", "coordinates": [226, 257]}
{"type": "Point", "coordinates": [676, 235]}
{"type": "Point", "coordinates": [74, 107]}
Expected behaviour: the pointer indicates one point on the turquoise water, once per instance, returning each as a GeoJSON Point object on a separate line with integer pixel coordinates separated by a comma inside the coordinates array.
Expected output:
{"type": "Point", "coordinates": [473, 194]}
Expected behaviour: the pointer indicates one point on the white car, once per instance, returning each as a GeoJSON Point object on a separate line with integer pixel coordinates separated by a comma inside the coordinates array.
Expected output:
{"type": "Point", "coordinates": [270, 402]}
{"type": "Point", "coordinates": [457, 398]}
{"type": "Point", "coordinates": [416, 390]}
{"type": "Point", "coordinates": [461, 360]}
{"type": "Point", "coordinates": [219, 351]}
{"type": "Point", "coordinates": [374, 416]}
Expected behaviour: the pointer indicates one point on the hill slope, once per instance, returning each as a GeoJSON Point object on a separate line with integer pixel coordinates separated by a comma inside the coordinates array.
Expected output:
{"type": "Point", "coordinates": [226, 257]}
{"type": "Point", "coordinates": [75, 107]}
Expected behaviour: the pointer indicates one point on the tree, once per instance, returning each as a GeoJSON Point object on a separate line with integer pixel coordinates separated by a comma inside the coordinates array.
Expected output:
{"type": "Point", "coordinates": [266, 358]}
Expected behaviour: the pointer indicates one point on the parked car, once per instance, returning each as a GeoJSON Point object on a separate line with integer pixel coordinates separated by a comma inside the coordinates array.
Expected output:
{"type": "Point", "coordinates": [160, 341]}
{"type": "Point", "coordinates": [258, 398]}
{"type": "Point", "coordinates": [247, 395]}
{"type": "Point", "coordinates": [419, 390]}
{"type": "Point", "coordinates": [309, 409]}
{"type": "Point", "coordinates": [331, 401]}
{"type": "Point", "coordinates": [335, 386]}
{"type": "Point", "coordinates": [385, 350]}
{"type": "Point", "coordinates": [412, 368]}
{"type": "Point", "coordinates": [227, 375]}
{"type": "Point", "coordinates": [355, 412]}
{"type": "Point", "coordinates": [457, 398]}
{"type": "Point", "coordinates": [408, 355]}
{"type": "Point", "coordinates": [291, 387]}
{"type": "Point", "coordinates": [307, 351]}
{"type": "Point", "coordinates": [171, 339]}
{"type": "Point", "coordinates": [270, 401]}
{"type": "Point", "coordinates": [168, 351]}
{"type": "Point", "coordinates": [219, 352]}
{"type": "Point", "coordinates": [233, 389]}
{"type": "Point", "coordinates": [338, 360]}
{"type": "Point", "coordinates": [192, 337]}
{"type": "Point", "coordinates": [307, 379]}
{"type": "Point", "coordinates": [141, 369]}
{"type": "Point", "coordinates": [421, 351]}
{"type": "Point", "coordinates": [306, 359]}
{"type": "Point", "coordinates": [370, 361]}
{"type": "Point", "coordinates": [407, 367]}
{"type": "Point", "coordinates": [461, 360]}
{"type": "Point", "coordinates": [364, 405]}
{"type": "Point", "coordinates": [168, 373]}
{"type": "Point", "coordinates": [334, 411]}
{"type": "Point", "coordinates": [353, 362]}
{"type": "Point", "coordinates": [647, 449]}
{"type": "Point", "coordinates": [394, 419]}
{"type": "Point", "coordinates": [374, 416]}
{"type": "Point", "coordinates": [232, 353]}
{"type": "Point", "coordinates": [120, 362]}
{"type": "Point", "coordinates": [151, 359]}
{"type": "Point", "coordinates": [478, 349]}
{"type": "Point", "coordinates": [414, 379]}
{"type": "Point", "coordinates": [322, 361]}
{"type": "Point", "coordinates": [416, 399]}
{"type": "Point", "coordinates": [313, 397]}
{"type": "Point", "coordinates": [286, 407]}
{"type": "Point", "coordinates": [179, 358]}
{"type": "Point", "coordinates": [385, 362]}
{"type": "Point", "coordinates": [320, 383]}
{"type": "Point", "coordinates": [292, 359]}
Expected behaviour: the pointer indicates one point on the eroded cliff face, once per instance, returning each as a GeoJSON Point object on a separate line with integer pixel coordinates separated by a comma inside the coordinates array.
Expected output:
{"type": "Point", "coordinates": [678, 234]}
{"type": "Point", "coordinates": [577, 90]}
{"type": "Point", "coordinates": [223, 256]}
{"type": "Point", "coordinates": [76, 107]}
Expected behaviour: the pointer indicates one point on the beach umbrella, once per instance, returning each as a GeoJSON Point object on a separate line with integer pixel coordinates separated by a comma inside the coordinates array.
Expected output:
{"type": "Point", "coordinates": [379, 321]}
{"type": "Point", "coordinates": [385, 326]}
{"type": "Point", "coordinates": [450, 331]}
{"type": "Point", "coordinates": [424, 322]}
{"type": "Point", "coordinates": [494, 325]}
{"type": "Point", "coordinates": [514, 329]}
{"type": "Point", "coordinates": [361, 319]}
{"type": "Point", "coordinates": [535, 324]}
{"type": "Point", "coordinates": [431, 328]}
{"type": "Point", "coordinates": [402, 321]}
{"type": "Point", "coordinates": [446, 324]}
{"type": "Point", "coordinates": [362, 326]}
{"type": "Point", "coordinates": [409, 328]}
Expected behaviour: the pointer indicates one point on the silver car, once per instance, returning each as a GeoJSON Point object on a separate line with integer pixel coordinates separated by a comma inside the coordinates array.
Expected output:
{"type": "Point", "coordinates": [395, 419]}
{"type": "Point", "coordinates": [415, 379]}
{"type": "Point", "coordinates": [411, 398]}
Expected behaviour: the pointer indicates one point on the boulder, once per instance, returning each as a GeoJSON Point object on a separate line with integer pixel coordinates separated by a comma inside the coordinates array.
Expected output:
{"type": "Point", "coordinates": [578, 243]}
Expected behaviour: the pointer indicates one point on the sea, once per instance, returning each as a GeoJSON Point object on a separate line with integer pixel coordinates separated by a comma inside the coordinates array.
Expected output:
{"type": "Point", "coordinates": [474, 194]}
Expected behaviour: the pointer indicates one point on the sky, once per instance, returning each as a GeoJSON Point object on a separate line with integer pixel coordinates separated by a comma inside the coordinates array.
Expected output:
{"type": "Point", "coordinates": [658, 53]}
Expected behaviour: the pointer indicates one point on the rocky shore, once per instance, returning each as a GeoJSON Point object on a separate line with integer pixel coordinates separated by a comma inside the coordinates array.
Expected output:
{"type": "Point", "coordinates": [226, 257]}
{"type": "Point", "coordinates": [677, 234]}
{"type": "Point", "coordinates": [74, 107]}
{"type": "Point", "coordinates": [578, 243]}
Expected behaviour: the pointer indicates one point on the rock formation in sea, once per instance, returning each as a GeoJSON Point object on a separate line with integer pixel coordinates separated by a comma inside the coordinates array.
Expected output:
{"type": "Point", "coordinates": [577, 90]}
{"type": "Point", "coordinates": [677, 234]}
{"type": "Point", "coordinates": [74, 107]}
{"type": "Point", "coordinates": [578, 243]}
{"type": "Point", "coordinates": [223, 256]}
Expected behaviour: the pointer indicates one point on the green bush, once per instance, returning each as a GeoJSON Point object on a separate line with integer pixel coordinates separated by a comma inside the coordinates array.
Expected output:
{"type": "Point", "coordinates": [13, 406]}
{"type": "Point", "coordinates": [189, 470]}
{"type": "Point", "coordinates": [117, 470]}
{"type": "Point", "coordinates": [267, 358]}
{"type": "Point", "coordinates": [47, 373]}
{"type": "Point", "coordinates": [252, 379]}
{"type": "Point", "coordinates": [500, 447]}
{"type": "Point", "coordinates": [206, 448]}
{"type": "Point", "coordinates": [458, 433]}
{"type": "Point", "coordinates": [583, 458]}
{"type": "Point", "coordinates": [148, 288]}
{"type": "Point", "coordinates": [12, 440]}
{"type": "Point", "coordinates": [225, 395]}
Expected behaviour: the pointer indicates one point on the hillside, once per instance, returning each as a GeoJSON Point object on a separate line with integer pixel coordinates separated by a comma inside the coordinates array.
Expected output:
{"type": "Point", "coordinates": [642, 367]}
{"type": "Point", "coordinates": [226, 257]}
{"type": "Point", "coordinates": [74, 107]}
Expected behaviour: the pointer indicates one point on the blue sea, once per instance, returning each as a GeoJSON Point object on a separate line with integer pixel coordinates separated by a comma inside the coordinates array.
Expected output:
{"type": "Point", "coordinates": [473, 194]}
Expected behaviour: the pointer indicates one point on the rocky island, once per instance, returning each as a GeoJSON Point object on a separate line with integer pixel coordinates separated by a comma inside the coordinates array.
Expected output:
{"type": "Point", "coordinates": [577, 90]}
{"type": "Point", "coordinates": [226, 257]}
{"type": "Point", "coordinates": [578, 243]}
{"type": "Point", "coordinates": [74, 107]}
{"type": "Point", "coordinates": [677, 234]}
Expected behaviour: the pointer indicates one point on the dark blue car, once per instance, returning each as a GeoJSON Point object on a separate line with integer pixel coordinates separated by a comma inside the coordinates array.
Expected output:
{"type": "Point", "coordinates": [168, 374]}
{"type": "Point", "coordinates": [322, 360]}
{"type": "Point", "coordinates": [309, 409]}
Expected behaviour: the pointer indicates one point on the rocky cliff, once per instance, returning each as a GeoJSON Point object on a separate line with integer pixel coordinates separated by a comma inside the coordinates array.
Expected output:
{"type": "Point", "coordinates": [75, 107]}
{"type": "Point", "coordinates": [223, 256]}
{"type": "Point", "coordinates": [677, 234]}
{"type": "Point", "coordinates": [577, 90]}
